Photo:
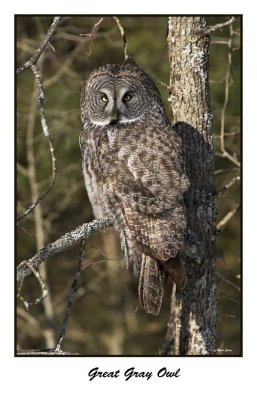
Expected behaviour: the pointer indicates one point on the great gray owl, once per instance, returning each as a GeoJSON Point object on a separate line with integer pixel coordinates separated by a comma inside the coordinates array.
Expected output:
{"type": "Point", "coordinates": [133, 169]}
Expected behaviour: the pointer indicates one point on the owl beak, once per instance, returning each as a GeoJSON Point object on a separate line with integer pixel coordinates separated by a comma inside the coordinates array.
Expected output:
{"type": "Point", "coordinates": [115, 117]}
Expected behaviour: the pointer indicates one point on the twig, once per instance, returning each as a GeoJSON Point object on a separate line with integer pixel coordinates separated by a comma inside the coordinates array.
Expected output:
{"type": "Point", "coordinates": [73, 291]}
{"type": "Point", "coordinates": [225, 170]}
{"type": "Point", "coordinates": [228, 282]}
{"type": "Point", "coordinates": [91, 34]}
{"type": "Point", "coordinates": [219, 42]}
{"type": "Point", "coordinates": [21, 227]}
{"type": "Point", "coordinates": [82, 232]}
{"type": "Point", "coordinates": [225, 154]}
{"type": "Point", "coordinates": [42, 285]}
{"type": "Point", "coordinates": [228, 185]}
{"type": "Point", "coordinates": [21, 170]}
{"type": "Point", "coordinates": [213, 28]}
{"type": "Point", "coordinates": [230, 299]}
{"type": "Point", "coordinates": [38, 211]}
{"type": "Point", "coordinates": [228, 134]}
{"type": "Point", "coordinates": [228, 81]}
{"type": "Point", "coordinates": [41, 99]}
{"type": "Point", "coordinates": [215, 81]}
{"type": "Point", "coordinates": [65, 67]}
{"type": "Point", "coordinates": [41, 48]}
{"type": "Point", "coordinates": [167, 87]}
{"type": "Point", "coordinates": [221, 224]}
{"type": "Point", "coordinates": [125, 41]}
{"type": "Point", "coordinates": [227, 84]}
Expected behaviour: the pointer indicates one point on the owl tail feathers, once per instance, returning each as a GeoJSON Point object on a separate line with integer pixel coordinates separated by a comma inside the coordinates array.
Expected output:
{"type": "Point", "coordinates": [151, 285]}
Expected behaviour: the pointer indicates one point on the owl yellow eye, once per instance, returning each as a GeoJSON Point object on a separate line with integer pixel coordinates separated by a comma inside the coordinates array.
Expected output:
{"type": "Point", "coordinates": [127, 97]}
{"type": "Point", "coordinates": [104, 98]}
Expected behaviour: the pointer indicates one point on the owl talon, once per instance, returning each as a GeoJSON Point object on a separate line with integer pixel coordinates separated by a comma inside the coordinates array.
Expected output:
{"type": "Point", "coordinates": [175, 268]}
{"type": "Point", "coordinates": [183, 287]}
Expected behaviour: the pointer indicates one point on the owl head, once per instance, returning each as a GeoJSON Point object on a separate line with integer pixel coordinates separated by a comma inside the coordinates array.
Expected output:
{"type": "Point", "coordinates": [120, 94]}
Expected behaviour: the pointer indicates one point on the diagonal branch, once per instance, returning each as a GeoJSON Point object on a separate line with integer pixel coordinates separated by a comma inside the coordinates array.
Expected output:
{"type": "Point", "coordinates": [91, 35]}
{"type": "Point", "coordinates": [228, 185]}
{"type": "Point", "coordinates": [82, 232]}
{"type": "Point", "coordinates": [220, 26]}
{"type": "Point", "coordinates": [125, 41]}
{"type": "Point", "coordinates": [41, 48]}
{"type": "Point", "coordinates": [221, 224]}
{"type": "Point", "coordinates": [41, 99]}
{"type": "Point", "coordinates": [73, 291]}
{"type": "Point", "coordinates": [228, 282]}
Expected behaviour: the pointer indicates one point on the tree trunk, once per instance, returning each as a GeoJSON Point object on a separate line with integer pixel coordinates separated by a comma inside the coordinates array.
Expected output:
{"type": "Point", "coordinates": [192, 325]}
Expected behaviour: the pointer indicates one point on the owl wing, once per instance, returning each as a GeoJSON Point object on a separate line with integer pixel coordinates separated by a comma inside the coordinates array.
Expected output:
{"type": "Point", "coordinates": [151, 190]}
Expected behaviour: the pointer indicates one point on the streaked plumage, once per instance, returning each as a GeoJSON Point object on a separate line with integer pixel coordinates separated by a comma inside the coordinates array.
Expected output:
{"type": "Point", "coordinates": [133, 170]}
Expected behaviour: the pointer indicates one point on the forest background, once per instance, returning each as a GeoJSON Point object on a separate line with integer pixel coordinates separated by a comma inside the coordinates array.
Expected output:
{"type": "Point", "coordinates": [103, 319]}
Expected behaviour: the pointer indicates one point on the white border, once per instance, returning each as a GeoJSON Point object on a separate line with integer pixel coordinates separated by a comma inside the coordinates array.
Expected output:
{"type": "Point", "coordinates": [201, 378]}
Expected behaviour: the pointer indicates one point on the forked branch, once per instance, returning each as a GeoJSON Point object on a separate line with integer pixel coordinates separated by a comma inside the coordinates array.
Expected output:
{"type": "Point", "coordinates": [41, 48]}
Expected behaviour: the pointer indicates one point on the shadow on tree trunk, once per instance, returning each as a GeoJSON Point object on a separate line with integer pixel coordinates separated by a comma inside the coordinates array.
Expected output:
{"type": "Point", "coordinates": [192, 324]}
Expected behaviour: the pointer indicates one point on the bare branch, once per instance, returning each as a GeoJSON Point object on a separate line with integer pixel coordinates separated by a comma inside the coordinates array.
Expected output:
{"type": "Point", "coordinates": [65, 67]}
{"type": "Point", "coordinates": [219, 26]}
{"type": "Point", "coordinates": [23, 229]}
{"type": "Point", "coordinates": [22, 170]}
{"type": "Point", "coordinates": [231, 158]}
{"type": "Point", "coordinates": [41, 99]}
{"type": "Point", "coordinates": [73, 291]}
{"type": "Point", "coordinates": [222, 294]}
{"type": "Point", "coordinates": [228, 134]}
{"type": "Point", "coordinates": [219, 42]}
{"type": "Point", "coordinates": [33, 60]}
{"type": "Point", "coordinates": [38, 211]}
{"type": "Point", "coordinates": [228, 282]}
{"type": "Point", "coordinates": [42, 285]}
{"type": "Point", "coordinates": [225, 170]}
{"type": "Point", "coordinates": [82, 232]}
{"type": "Point", "coordinates": [227, 85]}
{"type": "Point", "coordinates": [228, 185]}
{"type": "Point", "coordinates": [91, 35]}
{"type": "Point", "coordinates": [163, 84]}
{"type": "Point", "coordinates": [228, 81]}
{"type": "Point", "coordinates": [125, 41]}
{"type": "Point", "coordinates": [221, 224]}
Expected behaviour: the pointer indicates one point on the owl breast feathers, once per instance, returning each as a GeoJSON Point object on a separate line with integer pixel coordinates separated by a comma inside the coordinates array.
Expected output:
{"type": "Point", "coordinates": [133, 169]}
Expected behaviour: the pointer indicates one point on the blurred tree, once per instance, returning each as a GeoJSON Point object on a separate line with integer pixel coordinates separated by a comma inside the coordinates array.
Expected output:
{"type": "Point", "coordinates": [104, 321]}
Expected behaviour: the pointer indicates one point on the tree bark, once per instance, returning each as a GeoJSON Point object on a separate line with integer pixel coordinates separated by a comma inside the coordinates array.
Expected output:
{"type": "Point", "coordinates": [192, 325]}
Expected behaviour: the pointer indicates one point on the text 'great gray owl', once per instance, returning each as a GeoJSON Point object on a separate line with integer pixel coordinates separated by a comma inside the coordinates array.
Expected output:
{"type": "Point", "coordinates": [133, 169]}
